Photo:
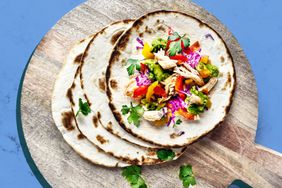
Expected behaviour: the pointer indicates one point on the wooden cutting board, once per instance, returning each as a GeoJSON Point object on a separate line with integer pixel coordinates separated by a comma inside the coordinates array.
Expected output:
{"type": "Point", "coordinates": [228, 153]}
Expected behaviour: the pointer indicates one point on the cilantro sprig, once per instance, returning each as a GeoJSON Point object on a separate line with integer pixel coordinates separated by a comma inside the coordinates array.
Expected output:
{"type": "Point", "coordinates": [135, 113]}
{"type": "Point", "coordinates": [84, 108]}
{"type": "Point", "coordinates": [134, 65]}
{"type": "Point", "coordinates": [175, 46]}
{"type": "Point", "coordinates": [187, 176]}
{"type": "Point", "coordinates": [178, 122]}
{"type": "Point", "coordinates": [133, 175]}
{"type": "Point", "coordinates": [165, 154]}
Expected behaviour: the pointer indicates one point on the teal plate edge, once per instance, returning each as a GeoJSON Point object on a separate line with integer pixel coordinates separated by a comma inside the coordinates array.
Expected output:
{"type": "Point", "coordinates": [23, 143]}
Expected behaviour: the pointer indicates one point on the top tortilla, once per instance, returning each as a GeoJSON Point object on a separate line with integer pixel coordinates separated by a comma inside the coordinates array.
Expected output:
{"type": "Point", "coordinates": [149, 27]}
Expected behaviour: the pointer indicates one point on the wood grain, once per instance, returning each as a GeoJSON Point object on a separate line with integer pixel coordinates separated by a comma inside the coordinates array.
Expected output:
{"type": "Point", "coordinates": [226, 154]}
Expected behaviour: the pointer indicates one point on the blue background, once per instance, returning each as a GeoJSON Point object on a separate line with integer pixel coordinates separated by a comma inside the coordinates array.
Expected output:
{"type": "Point", "coordinates": [255, 23]}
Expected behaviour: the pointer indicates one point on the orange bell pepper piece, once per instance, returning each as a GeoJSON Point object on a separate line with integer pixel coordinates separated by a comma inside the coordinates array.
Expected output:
{"type": "Point", "coordinates": [186, 114]}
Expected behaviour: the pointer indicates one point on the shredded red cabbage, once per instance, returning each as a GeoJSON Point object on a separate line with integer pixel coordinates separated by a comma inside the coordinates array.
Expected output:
{"type": "Point", "coordinates": [174, 105]}
{"type": "Point", "coordinates": [209, 36]}
{"type": "Point", "coordinates": [140, 41]}
{"type": "Point", "coordinates": [186, 90]}
{"type": "Point", "coordinates": [193, 58]}
{"type": "Point", "coordinates": [139, 47]}
{"type": "Point", "coordinates": [143, 80]}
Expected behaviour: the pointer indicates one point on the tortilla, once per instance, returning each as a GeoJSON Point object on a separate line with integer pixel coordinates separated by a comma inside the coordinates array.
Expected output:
{"type": "Point", "coordinates": [64, 116]}
{"type": "Point", "coordinates": [93, 125]}
{"type": "Point", "coordinates": [149, 27]}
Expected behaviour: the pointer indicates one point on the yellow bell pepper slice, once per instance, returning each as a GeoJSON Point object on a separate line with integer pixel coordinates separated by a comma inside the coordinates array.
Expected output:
{"type": "Point", "coordinates": [205, 59]}
{"type": "Point", "coordinates": [150, 90]}
{"type": "Point", "coordinates": [146, 52]}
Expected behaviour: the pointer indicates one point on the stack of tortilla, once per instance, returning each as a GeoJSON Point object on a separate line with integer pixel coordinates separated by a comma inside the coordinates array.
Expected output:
{"type": "Point", "coordinates": [94, 72]}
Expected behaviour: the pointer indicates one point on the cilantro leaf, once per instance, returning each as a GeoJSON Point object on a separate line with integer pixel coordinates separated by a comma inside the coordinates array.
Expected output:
{"type": "Point", "coordinates": [175, 46]}
{"type": "Point", "coordinates": [131, 170]}
{"type": "Point", "coordinates": [133, 66]}
{"type": "Point", "coordinates": [186, 41]}
{"type": "Point", "coordinates": [174, 36]}
{"type": "Point", "coordinates": [125, 110]}
{"type": "Point", "coordinates": [132, 61]}
{"type": "Point", "coordinates": [130, 69]}
{"type": "Point", "coordinates": [178, 122]}
{"type": "Point", "coordinates": [133, 176]}
{"type": "Point", "coordinates": [135, 113]}
{"type": "Point", "coordinates": [165, 154]}
{"type": "Point", "coordinates": [84, 108]}
{"type": "Point", "coordinates": [187, 176]}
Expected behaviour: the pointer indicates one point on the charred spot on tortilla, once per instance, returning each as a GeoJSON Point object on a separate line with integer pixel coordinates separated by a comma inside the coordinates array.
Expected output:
{"type": "Point", "coordinates": [95, 121]}
{"type": "Point", "coordinates": [222, 59]}
{"type": "Point", "coordinates": [113, 84]}
{"type": "Point", "coordinates": [70, 96]}
{"type": "Point", "coordinates": [123, 42]}
{"type": "Point", "coordinates": [149, 30]}
{"type": "Point", "coordinates": [73, 85]}
{"type": "Point", "coordinates": [116, 36]}
{"type": "Point", "coordinates": [138, 24]}
{"type": "Point", "coordinates": [102, 84]}
{"type": "Point", "coordinates": [228, 82]}
{"type": "Point", "coordinates": [115, 56]}
{"type": "Point", "coordinates": [67, 120]}
{"type": "Point", "coordinates": [183, 149]}
{"type": "Point", "coordinates": [80, 136]}
{"type": "Point", "coordinates": [87, 99]}
{"type": "Point", "coordinates": [78, 58]}
{"type": "Point", "coordinates": [102, 31]}
{"type": "Point", "coordinates": [116, 113]}
{"type": "Point", "coordinates": [229, 78]}
{"type": "Point", "coordinates": [201, 24]}
{"type": "Point", "coordinates": [141, 35]}
{"type": "Point", "coordinates": [161, 28]}
{"type": "Point", "coordinates": [81, 41]}
{"type": "Point", "coordinates": [101, 139]}
{"type": "Point", "coordinates": [151, 153]}
{"type": "Point", "coordinates": [85, 54]}
{"type": "Point", "coordinates": [110, 126]}
{"type": "Point", "coordinates": [76, 73]}
{"type": "Point", "coordinates": [127, 21]}
{"type": "Point", "coordinates": [81, 80]}
{"type": "Point", "coordinates": [99, 149]}
{"type": "Point", "coordinates": [98, 115]}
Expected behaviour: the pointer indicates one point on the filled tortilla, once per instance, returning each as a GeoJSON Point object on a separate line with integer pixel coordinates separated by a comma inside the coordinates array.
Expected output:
{"type": "Point", "coordinates": [64, 117]}
{"type": "Point", "coordinates": [174, 79]}
{"type": "Point", "coordinates": [90, 116]}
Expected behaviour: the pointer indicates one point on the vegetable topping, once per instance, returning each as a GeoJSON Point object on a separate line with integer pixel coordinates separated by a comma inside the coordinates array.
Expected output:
{"type": "Point", "coordinates": [171, 84]}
